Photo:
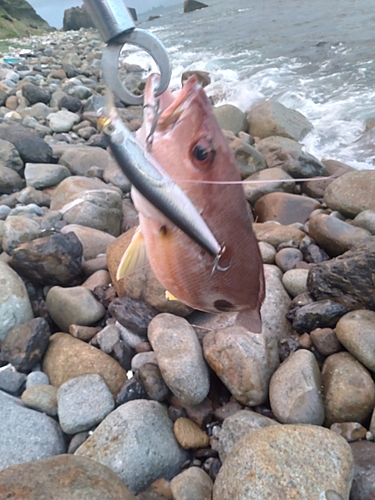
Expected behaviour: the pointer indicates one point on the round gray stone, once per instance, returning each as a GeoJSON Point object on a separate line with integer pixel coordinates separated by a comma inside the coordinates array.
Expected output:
{"type": "Point", "coordinates": [295, 281]}
{"type": "Point", "coordinates": [43, 175]}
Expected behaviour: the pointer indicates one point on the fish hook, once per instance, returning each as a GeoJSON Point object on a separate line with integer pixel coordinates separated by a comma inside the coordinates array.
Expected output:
{"type": "Point", "coordinates": [216, 264]}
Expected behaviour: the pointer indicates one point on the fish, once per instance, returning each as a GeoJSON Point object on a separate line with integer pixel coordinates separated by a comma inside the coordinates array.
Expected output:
{"type": "Point", "coordinates": [149, 178]}
{"type": "Point", "coordinates": [182, 134]}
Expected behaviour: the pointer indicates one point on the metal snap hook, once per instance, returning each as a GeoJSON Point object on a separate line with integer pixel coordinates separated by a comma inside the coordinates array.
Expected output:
{"type": "Point", "coordinates": [150, 44]}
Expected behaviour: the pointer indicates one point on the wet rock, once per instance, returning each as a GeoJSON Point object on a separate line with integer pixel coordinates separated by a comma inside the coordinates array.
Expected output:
{"type": "Point", "coordinates": [189, 435]}
{"type": "Point", "coordinates": [275, 234]}
{"type": "Point", "coordinates": [285, 208]}
{"type": "Point", "coordinates": [236, 426]}
{"type": "Point", "coordinates": [10, 181]}
{"type": "Point", "coordinates": [152, 380]}
{"type": "Point", "coordinates": [75, 305]}
{"type": "Point", "coordinates": [269, 452]}
{"type": "Point", "coordinates": [67, 358]}
{"type": "Point", "coordinates": [270, 118]}
{"type": "Point", "coordinates": [243, 360]}
{"type": "Point", "coordinates": [287, 258]}
{"type": "Point", "coordinates": [18, 230]}
{"type": "Point", "coordinates": [191, 484]}
{"type": "Point", "coordinates": [335, 236]}
{"type": "Point", "coordinates": [256, 190]}
{"type": "Point", "coordinates": [325, 340]}
{"type": "Point", "coordinates": [83, 402]}
{"type": "Point", "coordinates": [35, 94]}
{"type": "Point", "coordinates": [295, 281]}
{"type": "Point", "coordinates": [142, 284]}
{"type": "Point", "coordinates": [31, 147]}
{"type": "Point", "coordinates": [24, 344]}
{"type": "Point", "coordinates": [179, 357]}
{"type": "Point", "coordinates": [43, 175]}
{"type": "Point", "coordinates": [231, 118]}
{"type": "Point", "coordinates": [64, 477]}
{"type": "Point", "coordinates": [363, 486]}
{"type": "Point", "coordinates": [52, 260]}
{"type": "Point", "coordinates": [365, 220]}
{"type": "Point", "coordinates": [276, 304]}
{"type": "Point", "coordinates": [351, 431]}
{"type": "Point", "coordinates": [348, 389]}
{"type": "Point", "coordinates": [356, 332]}
{"type": "Point", "coordinates": [352, 192]}
{"type": "Point", "coordinates": [11, 380]}
{"type": "Point", "coordinates": [156, 454]}
{"type": "Point", "coordinates": [28, 434]}
{"type": "Point", "coordinates": [295, 390]}
{"type": "Point", "coordinates": [131, 390]}
{"type": "Point", "coordinates": [15, 307]}
{"type": "Point", "coordinates": [316, 315]}
{"type": "Point", "coordinates": [346, 279]}
{"type": "Point", "coordinates": [132, 314]}
{"type": "Point", "coordinates": [41, 398]}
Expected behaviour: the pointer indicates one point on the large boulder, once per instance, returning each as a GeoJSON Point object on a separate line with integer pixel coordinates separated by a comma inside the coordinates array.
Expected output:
{"type": "Point", "coordinates": [190, 5]}
{"type": "Point", "coordinates": [76, 18]}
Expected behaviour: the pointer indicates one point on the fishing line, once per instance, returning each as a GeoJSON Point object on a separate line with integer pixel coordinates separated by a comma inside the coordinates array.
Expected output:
{"type": "Point", "coordinates": [266, 181]}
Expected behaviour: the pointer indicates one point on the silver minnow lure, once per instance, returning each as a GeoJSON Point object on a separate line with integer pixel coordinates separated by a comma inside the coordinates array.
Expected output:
{"type": "Point", "coordinates": [149, 178]}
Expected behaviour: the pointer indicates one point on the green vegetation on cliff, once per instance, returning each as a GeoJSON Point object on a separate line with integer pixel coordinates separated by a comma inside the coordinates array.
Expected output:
{"type": "Point", "coordinates": [18, 19]}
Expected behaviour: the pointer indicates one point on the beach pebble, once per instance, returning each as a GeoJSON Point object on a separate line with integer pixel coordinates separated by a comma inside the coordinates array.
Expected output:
{"type": "Point", "coordinates": [142, 358]}
{"type": "Point", "coordinates": [15, 307]}
{"type": "Point", "coordinates": [325, 340]}
{"type": "Point", "coordinates": [35, 94]}
{"type": "Point", "coordinates": [192, 484]}
{"type": "Point", "coordinates": [231, 118]}
{"type": "Point", "coordinates": [36, 378]}
{"type": "Point", "coordinates": [108, 338]}
{"type": "Point", "coordinates": [365, 220]}
{"type": "Point", "coordinates": [83, 332]}
{"type": "Point", "coordinates": [9, 157]}
{"type": "Point", "coordinates": [41, 175]}
{"type": "Point", "coordinates": [335, 236]}
{"type": "Point", "coordinates": [276, 304]}
{"type": "Point", "coordinates": [295, 281]}
{"type": "Point", "coordinates": [324, 313]}
{"type": "Point", "coordinates": [18, 230]}
{"type": "Point", "coordinates": [285, 208]}
{"type": "Point", "coordinates": [79, 159]}
{"type": "Point", "coordinates": [70, 103]}
{"type": "Point", "coordinates": [41, 398]}
{"type": "Point", "coordinates": [363, 486]}
{"type": "Point", "coordinates": [31, 147]}
{"type": "Point", "coordinates": [235, 427]}
{"type": "Point", "coordinates": [348, 389]}
{"type": "Point", "coordinates": [352, 193]}
{"type": "Point", "coordinates": [269, 118]}
{"type": "Point", "coordinates": [243, 360]}
{"type": "Point", "coordinates": [133, 314]}
{"type": "Point", "coordinates": [75, 305]}
{"type": "Point", "coordinates": [356, 332]}
{"type": "Point", "coordinates": [39, 110]}
{"type": "Point", "coordinates": [351, 431]}
{"type": "Point", "coordinates": [256, 190]}
{"type": "Point", "coordinates": [275, 234]}
{"type": "Point", "coordinates": [67, 358]}
{"type": "Point", "coordinates": [27, 434]}
{"type": "Point", "coordinates": [155, 453]}
{"type": "Point", "coordinates": [130, 338]}
{"type": "Point", "coordinates": [83, 402]}
{"type": "Point", "coordinates": [65, 477]}
{"type": "Point", "coordinates": [62, 121]}
{"type": "Point", "coordinates": [267, 252]}
{"type": "Point", "coordinates": [24, 345]}
{"type": "Point", "coordinates": [179, 357]}
{"type": "Point", "coordinates": [268, 454]}
{"type": "Point", "coordinates": [189, 435]}
{"type": "Point", "coordinates": [10, 181]}
{"type": "Point", "coordinates": [100, 278]}
{"type": "Point", "coordinates": [131, 390]}
{"type": "Point", "coordinates": [248, 159]}
{"type": "Point", "coordinates": [11, 380]}
{"type": "Point", "coordinates": [287, 258]}
{"type": "Point", "coordinates": [295, 390]}
{"type": "Point", "coordinates": [152, 380]}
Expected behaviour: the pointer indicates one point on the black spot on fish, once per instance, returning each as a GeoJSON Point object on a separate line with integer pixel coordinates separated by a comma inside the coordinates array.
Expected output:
{"type": "Point", "coordinates": [163, 230]}
{"type": "Point", "coordinates": [223, 305]}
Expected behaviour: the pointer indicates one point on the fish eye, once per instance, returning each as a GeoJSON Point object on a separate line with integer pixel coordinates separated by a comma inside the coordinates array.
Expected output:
{"type": "Point", "coordinates": [203, 154]}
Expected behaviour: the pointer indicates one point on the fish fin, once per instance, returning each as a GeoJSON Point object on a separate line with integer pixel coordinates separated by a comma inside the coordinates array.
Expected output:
{"type": "Point", "coordinates": [250, 319]}
{"type": "Point", "coordinates": [135, 256]}
{"type": "Point", "coordinates": [169, 296]}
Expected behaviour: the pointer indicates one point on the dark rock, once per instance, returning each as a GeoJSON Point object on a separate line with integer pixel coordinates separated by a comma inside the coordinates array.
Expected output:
{"type": "Point", "coordinates": [132, 389]}
{"type": "Point", "coordinates": [347, 279]}
{"type": "Point", "coordinates": [70, 103]}
{"type": "Point", "coordinates": [52, 260]}
{"type": "Point", "coordinates": [31, 147]}
{"type": "Point", "coordinates": [25, 344]}
{"type": "Point", "coordinates": [62, 477]}
{"type": "Point", "coordinates": [70, 70]}
{"type": "Point", "coordinates": [133, 13]}
{"type": "Point", "coordinates": [123, 354]}
{"type": "Point", "coordinates": [76, 18]}
{"type": "Point", "coordinates": [174, 413]}
{"type": "Point", "coordinates": [285, 208]}
{"type": "Point", "coordinates": [10, 181]}
{"type": "Point", "coordinates": [287, 346]}
{"type": "Point", "coordinates": [314, 254]}
{"type": "Point", "coordinates": [133, 314]}
{"type": "Point", "coordinates": [363, 486]}
{"type": "Point", "coordinates": [149, 374]}
{"type": "Point", "coordinates": [190, 5]}
{"type": "Point", "coordinates": [35, 94]}
{"type": "Point", "coordinates": [105, 294]}
{"type": "Point", "coordinates": [316, 315]}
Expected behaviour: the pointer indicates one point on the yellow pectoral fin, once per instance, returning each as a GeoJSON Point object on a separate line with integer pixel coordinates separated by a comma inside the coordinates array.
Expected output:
{"type": "Point", "coordinates": [169, 296]}
{"type": "Point", "coordinates": [134, 258]}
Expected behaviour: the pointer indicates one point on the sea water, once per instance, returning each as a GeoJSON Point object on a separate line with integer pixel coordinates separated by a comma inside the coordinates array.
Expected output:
{"type": "Point", "coordinates": [315, 56]}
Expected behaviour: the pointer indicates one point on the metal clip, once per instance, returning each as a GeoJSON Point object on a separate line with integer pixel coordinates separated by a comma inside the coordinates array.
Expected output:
{"type": "Point", "coordinates": [116, 27]}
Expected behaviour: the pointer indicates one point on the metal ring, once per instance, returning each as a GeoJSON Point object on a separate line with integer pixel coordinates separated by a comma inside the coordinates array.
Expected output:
{"type": "Point", "coordinates": [150, 44]}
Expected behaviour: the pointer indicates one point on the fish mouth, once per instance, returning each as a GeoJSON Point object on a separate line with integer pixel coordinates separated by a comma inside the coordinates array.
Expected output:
{"type": "Point", "coordinates": [163, 112]}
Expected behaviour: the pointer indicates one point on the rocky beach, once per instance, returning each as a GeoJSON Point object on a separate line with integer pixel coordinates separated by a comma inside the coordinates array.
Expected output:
{"type": "Point", "coordinates": [108, 389]}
